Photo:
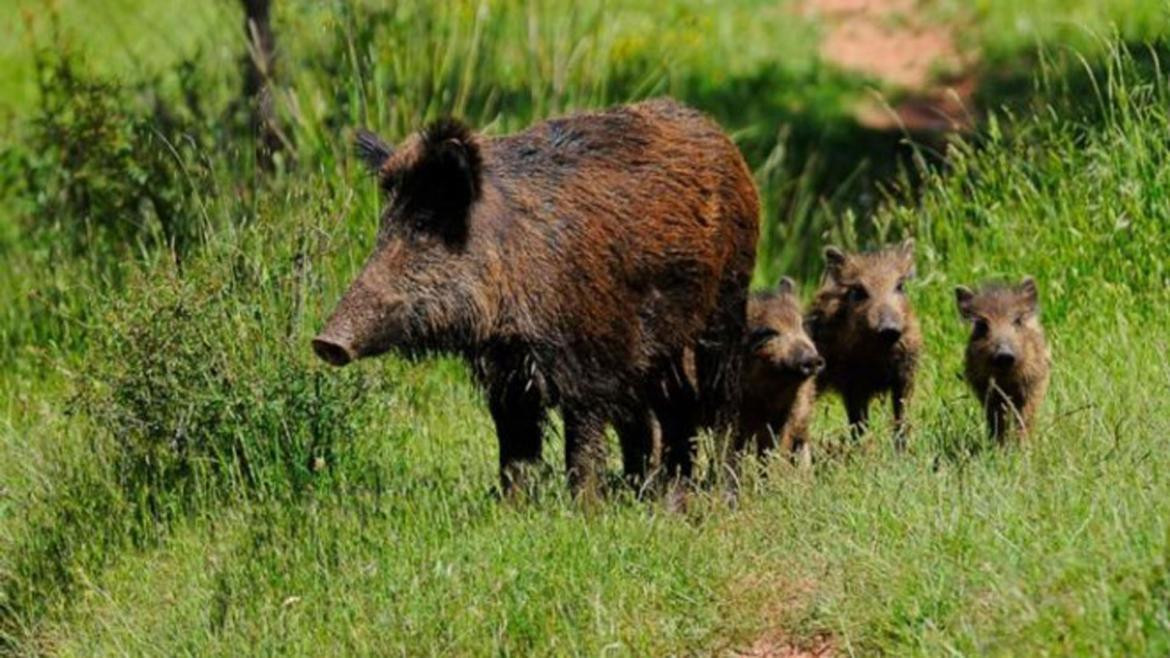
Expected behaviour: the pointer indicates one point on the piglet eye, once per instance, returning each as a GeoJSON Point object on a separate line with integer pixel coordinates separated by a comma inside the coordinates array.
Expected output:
{"type": "Point", "coordinates": [1019, 321]}
{"type": "Point", "coordinates": [981, 328]}
{"type": "Point", "coordinates": [901, 287]}
{"type": "Point", "coordinates": [759, 337]}
{"type": "Point", "coordinates": [858, 294]}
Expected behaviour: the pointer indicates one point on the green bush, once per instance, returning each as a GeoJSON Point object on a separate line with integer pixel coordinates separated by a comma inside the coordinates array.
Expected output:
{"type": "Point", "coordinates": [200, 383]}
{"type": "Point", "coordinates": [105, 166]}
{"type": "Point", "coordinates": [199, 390]}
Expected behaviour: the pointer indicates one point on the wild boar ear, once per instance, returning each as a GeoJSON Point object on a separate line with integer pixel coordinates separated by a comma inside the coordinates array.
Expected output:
{"type": "Point", "coordinates": [964, 299]}
{"type": "Point", "coordinates": [834, 261]}
{"type": "Point", "coordinates": [786, 286]}
{"type": "Point", "coordinates": [450, 169]}
{"type": "Point", "coordinates": [1030, 294]}
{"type": "Point", "coordinates": [373, 150]}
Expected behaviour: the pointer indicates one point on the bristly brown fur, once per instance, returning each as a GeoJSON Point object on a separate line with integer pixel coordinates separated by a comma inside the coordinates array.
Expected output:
{"type": "Point", "coordinates": [1007, 357]}
{"type": "Point", "coordinates": [863, 295]}
{"type": "Point", "coordinates": [573, 264]}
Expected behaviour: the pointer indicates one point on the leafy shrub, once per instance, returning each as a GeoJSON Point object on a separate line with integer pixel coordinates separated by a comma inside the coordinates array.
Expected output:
{"type": "Point", "coordinates": [202, 391]}
{"type": "Point", "coordinates": [199, 389]}
{"type": "Point", "coordinates": [103, 165]}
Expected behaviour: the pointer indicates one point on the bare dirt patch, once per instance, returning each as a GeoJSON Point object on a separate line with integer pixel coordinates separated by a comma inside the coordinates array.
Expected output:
{"type": "Point", "coordinates": [777, 646]}
{"type": "Point", "coordinates": [916, 59]}
{"type": "Point", "coordinates": [772, 597]}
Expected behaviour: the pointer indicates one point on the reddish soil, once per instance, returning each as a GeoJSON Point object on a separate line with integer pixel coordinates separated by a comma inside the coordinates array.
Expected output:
{"type": "Point", "coordinates": [777, 646]}
{"type": "Point", "coordinates": [916, 60]}
{"type": "Point", "coordinates": [773, 597]}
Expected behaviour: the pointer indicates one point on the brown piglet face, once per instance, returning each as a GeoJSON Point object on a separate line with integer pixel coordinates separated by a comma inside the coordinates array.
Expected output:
{"type": "Point", "coordinates": [1004, 323]}
{"type": "Point", "coordinates": [872, 289]}
{"type": "Point", "coordinates": [423, 285]}
{"type": "Point", "coordinates": [777, 338]}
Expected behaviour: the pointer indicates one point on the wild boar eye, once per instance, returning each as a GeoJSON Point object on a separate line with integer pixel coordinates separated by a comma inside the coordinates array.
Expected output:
{"type": "Point", "coordinates": [1019, 321]}
{"type": "Point", "coordinates": [759, 337]}
{"type": "Point", "coordinates": [901, 287]}
{"type": "Point", "coordinates": [419, 219]}
{"type": "Point", "coordinates": [981, 328]}
{"type": "Point", "coordinates": [857, 294]}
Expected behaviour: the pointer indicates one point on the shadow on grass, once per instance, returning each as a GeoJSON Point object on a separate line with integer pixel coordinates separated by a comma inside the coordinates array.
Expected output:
{"type": "Point", "coordinates": [823, 175]}
{"type": "Point", "coordinates": [815, 164]}
{"type": "Point", "coordinates": [1068, 83]}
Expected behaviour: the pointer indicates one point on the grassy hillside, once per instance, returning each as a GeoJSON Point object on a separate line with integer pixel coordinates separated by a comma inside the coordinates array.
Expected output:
{"type": "Point", "coordinates": [179, 476]}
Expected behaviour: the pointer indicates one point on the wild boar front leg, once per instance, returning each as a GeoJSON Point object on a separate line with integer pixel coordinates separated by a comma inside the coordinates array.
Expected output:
{"type": "Point", "coordinates": [1003, 413]}
{"type": "Point", "coordinates": [900, 399]}
{"type": "Point", "coordinates": [857, 410]}
{"type": "Point", "coordinates": [1007, 417]}
{"type": "Point", "coordinates": [794, 441]}
{"type": "Point", "coordinates": [1026, 418]}
{"type": "Point", "coordinates": [768, 438]}
{"type": "Point", "coordinates": [519, 417]}
{"type": "Point", "coordinates": [998, 415]}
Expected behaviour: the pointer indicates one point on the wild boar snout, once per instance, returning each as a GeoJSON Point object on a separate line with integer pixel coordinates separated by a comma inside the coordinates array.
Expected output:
{"type": "Point", "coordinates": [367, 321]}
{"type": "Point", "coordinates": [332, 351]}
{"type": "Point", "coordinates": [889, 325]}
{"type": "Point", "coordinates": [1004, 356]}
{"type": "Point", "coordinates": [808, 362]}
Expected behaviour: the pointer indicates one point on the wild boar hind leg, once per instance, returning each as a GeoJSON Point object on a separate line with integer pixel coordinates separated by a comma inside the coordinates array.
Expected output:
{"type": "Point", "coordinates": [674, 402]}
{"type": "Point", "coordinates": [635, 430]}
{"type": "Point", "coordinates": [719, 358]}
{"type": "Point", "coordinates": [584, 449]}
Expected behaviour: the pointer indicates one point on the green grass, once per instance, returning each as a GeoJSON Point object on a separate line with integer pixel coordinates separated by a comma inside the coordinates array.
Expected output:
{"type": "Point", "coordinates": [1006, 28]}
{"type": "Point", "coordinates": [131, 38]}
{"type": "Point", "coordinates": [179, 476]}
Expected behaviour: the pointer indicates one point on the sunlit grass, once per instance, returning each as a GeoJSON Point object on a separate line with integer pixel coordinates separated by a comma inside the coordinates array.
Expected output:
{"type": "Point", "coordinates": [394, 542]}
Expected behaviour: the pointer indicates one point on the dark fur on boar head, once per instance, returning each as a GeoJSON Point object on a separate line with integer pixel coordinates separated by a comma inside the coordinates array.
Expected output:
{"type": "Point", "coordinates": [864, 327]}
{"type": "Point", "coordinates": [1007, 361]}
{"type": "Point", "coordinates": [415, 291]}
{"type": "Point", "coordinates": [572, 264]}
{"type": "Point", "coordinates": [779, 372]}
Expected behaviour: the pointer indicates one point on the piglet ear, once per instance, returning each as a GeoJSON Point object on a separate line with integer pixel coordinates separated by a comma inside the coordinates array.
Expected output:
{"type": "Point", "coordinates": [834, 262]}
{"type": "Point", "coordinates": [1029, 293]}
{"type": "Point", "coordinates": [906, 249]}
{"type": "Point", "coordinates": [786, 286]}
{"type": "Point", "coordinates": [834, 257]}
{"type": "Point", "coordinates": [964, 299]}
{"type": "Point", "coordinates": [372, 150]}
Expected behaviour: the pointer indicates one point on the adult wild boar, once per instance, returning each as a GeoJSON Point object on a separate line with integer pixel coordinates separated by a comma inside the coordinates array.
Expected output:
{"type": "Point", "coordinates": [572, 265]}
